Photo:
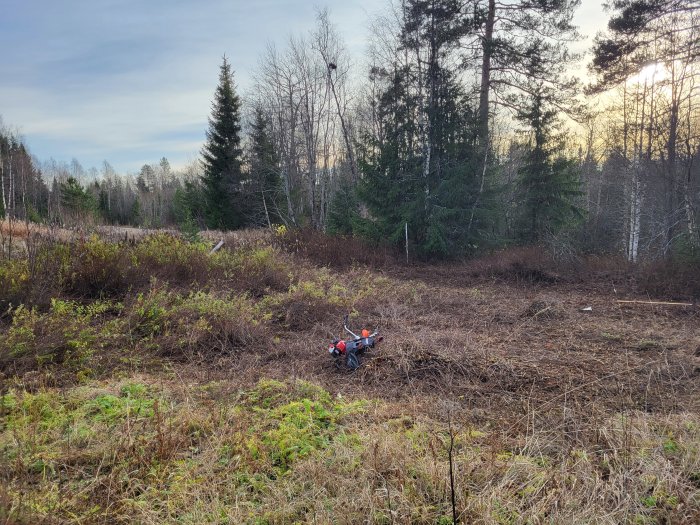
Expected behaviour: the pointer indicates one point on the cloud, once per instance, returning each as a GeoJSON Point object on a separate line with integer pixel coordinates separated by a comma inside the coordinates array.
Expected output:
{"type": "Point", "coordinates": [131, 81]}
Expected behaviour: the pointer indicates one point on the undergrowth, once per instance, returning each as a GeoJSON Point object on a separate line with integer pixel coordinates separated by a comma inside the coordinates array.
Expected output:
{"type": "Point", "coordinates": [106, 415]}
{"type": "Point", "coordinates": [289, 452]}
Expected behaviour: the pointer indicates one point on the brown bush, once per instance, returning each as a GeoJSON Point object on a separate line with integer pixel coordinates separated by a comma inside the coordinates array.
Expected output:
{"type": "Point", "coordinates": [253, 270]}
{"type": "Point", "coordinates": [671, 279]}
{"type": "Point", "coordinates": [168, 258]}
{"type": "Point", "coordinates": [14, 228]}
{"type": "Point", "coordinates": [521, 264]}
{"type": "Point", "coordinates": [95, 269]}
{"type": "Point", "coordinates": [198, 326]}
{"type": "Point", "coordinates": [334, 251]}
{"type": "Point", "coordinates": [299, 314]}
{"type": "Point", "coordinates": [668, 279]}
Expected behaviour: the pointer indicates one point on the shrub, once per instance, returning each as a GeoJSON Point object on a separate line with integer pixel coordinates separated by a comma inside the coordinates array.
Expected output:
{"type": "Point", "coordinates": [254, 270]}
{"type": "Point", "coordinates": [334, 251]}
{"type": "Point", "coordinates": [168, 258]}
{"type": "Point", "coordinates": [207, 325]}
{"type": "Point", "coordinates": [69, 334]}
{"type": "Point", "coordinates": [677, 279]}
{"type": "Point", "coordinates": [14, 283]}
{"type": "Point", "coordinates": [524, 263]}
{"type": "Point", "coordinates": [194, 326]}
{"type": "Point", "coordinates": [94, 269]}
{"type": "Point", "coordinates": [309, 302]}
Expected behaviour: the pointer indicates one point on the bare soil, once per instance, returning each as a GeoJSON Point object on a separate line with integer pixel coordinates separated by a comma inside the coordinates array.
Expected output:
{"type": "Point", "coordinates": [501, 352]}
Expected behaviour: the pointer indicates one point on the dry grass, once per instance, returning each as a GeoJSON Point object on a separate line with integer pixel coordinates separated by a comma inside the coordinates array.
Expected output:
{"type": "Point", "coordinates": [153, 451]}
{"type": "Point", "coordinates": [557, 415]}
{"type": "Point", "coordinates": [17, 229]}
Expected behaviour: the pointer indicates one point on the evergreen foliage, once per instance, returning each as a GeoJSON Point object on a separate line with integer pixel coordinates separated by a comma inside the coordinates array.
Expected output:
{"type": "Point", "coordinates": [188, 203]}
{"type": "Point", "coordinates": [427, 142]}
{"type": "Point", "coordinates": [549, 182]}
{"type": "Point", "coordinates": [423, 169]}
{"type": "Point", "coordinates": [75, 198]}
{"type": "Point", "coordinates": [641, 32]}
{"type": "Point", "coordinates": [265, 185]}
{"type": "Point", "coordinates": [221, 158]}
{"type": "Point", "coordinates": [344, 211]}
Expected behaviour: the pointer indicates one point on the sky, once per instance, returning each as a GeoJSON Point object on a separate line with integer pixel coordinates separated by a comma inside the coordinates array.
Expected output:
{"type": "Point", "coordinates": [131, 81]}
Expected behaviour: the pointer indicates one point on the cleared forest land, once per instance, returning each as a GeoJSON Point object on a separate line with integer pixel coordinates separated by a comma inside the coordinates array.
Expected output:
{"type": "Point", "coordinates": [152, 382]}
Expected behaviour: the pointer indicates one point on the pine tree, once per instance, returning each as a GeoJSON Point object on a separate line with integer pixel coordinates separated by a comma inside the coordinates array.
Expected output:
{"type": "Point", "coordinates": [224, 208]}
{"type": "Point", "coordinates": [664, 35]}
{"type": "Point", "coordinates": [641, 32]}
{"type": "Point", "coordinates": [508, 33]}
{"type": "Point", "coordinates": [75, 199]}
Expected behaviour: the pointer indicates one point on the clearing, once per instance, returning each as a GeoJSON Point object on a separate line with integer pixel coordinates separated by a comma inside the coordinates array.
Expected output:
{"type": "Point", "coordinates": [198, 389]}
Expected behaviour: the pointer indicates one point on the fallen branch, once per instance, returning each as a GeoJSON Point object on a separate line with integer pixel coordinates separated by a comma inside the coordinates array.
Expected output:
{"type": "Point", "coordinates": [217, 247]}
{"type": "Point", "coordinates": [656, 302]}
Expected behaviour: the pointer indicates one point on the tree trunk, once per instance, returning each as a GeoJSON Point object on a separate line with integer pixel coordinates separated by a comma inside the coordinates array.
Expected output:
{"type": "Point", "coordinates": [635, 217]}
{"type": "Point", "coordinates": [687, 186]}
{"type": "Point", "coordinates": [670, 179]}
{"type": "Point", "coordinates": [2, 184]}
{"type": "Point", "coordinates": [423, 127]}
{"type": "Point", "coordinates": [9, 211]}
{"type": "Point", "coordinates": [484, 91]}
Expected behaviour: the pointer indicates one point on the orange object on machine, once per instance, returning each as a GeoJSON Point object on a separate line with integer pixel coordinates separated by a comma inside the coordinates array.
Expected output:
{"type": "Point", "coordinates": [365, 333]}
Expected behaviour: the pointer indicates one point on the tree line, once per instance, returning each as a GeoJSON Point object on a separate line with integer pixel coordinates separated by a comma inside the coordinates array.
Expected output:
{"type": "Point", "coordinates": [67, 194]}
{"type": "Point", "coordinates": [465, 127]}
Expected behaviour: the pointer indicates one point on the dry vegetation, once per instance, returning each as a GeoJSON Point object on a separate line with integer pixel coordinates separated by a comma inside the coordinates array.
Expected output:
{"type": "Point", "coordinates": [151, 382]}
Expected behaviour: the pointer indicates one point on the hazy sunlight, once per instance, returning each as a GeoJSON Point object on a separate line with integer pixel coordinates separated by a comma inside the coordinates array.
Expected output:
{"type": "Point", "coordinates": [649, 74]}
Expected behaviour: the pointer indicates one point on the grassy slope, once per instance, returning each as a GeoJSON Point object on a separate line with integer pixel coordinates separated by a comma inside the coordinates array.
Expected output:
{"type": "Point", "coordinates": [164, 385]}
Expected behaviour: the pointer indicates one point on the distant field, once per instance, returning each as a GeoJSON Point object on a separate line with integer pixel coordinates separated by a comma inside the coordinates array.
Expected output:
{"type": "Point", "coordinates": [155, 383]}
{"type": "Point", "coordinates": [17, 228]}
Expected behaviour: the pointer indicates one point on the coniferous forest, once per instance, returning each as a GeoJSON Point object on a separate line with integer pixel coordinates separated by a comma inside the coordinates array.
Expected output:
{"type": "Point", "coordinates": [471, 122]}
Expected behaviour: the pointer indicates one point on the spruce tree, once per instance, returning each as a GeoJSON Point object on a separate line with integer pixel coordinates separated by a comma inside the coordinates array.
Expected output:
{"type": "Point", "coordinates": [343, 210]}
{"type": "Point", "coordinates": [76, 200]}
{"type": "Point", "coordinates": [221, 158]}
{"type": "Point", "coordinates": [392, 183]}
{"type": "Point", "coordinates": [265, 182]}
{"type": "Point", "coordinates": [550, 185]}
{"type": "Point", "coordinates": [422, 168]}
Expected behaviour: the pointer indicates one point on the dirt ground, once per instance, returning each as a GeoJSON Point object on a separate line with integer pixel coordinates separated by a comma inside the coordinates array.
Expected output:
{"type": "Point", "coordinates": [566, 406]}
{"type": "Point", "coordinates": [492, 348]}
{"type": "Point", "coordinates": [504, 353]}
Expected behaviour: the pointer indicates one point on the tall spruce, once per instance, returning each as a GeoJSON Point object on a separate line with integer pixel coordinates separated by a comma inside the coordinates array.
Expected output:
{"type": "Point", "coordinates": [221, 158]}
{"type": "Point", "coordinates": [392, 186]}
{"type": "Point", "coordinates": [265, 186]}
{"type": "Point", "coordinates": [549, 182]}
{"type": "Point", "coordinates": [421, 168]}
